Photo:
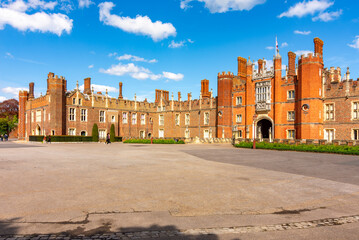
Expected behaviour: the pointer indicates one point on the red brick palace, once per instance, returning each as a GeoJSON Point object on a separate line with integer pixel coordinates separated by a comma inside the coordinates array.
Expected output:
{"type": "Point", "coordinates": [309, 102]}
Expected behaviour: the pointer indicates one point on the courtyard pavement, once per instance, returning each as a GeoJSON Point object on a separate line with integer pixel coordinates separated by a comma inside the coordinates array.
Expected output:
{"type": "Point", "coordinates": [209, 191]}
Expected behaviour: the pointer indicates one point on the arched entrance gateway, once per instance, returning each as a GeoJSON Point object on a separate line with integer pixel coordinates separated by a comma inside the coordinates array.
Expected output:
{"type": "Point", "coordinates": [264, 129]}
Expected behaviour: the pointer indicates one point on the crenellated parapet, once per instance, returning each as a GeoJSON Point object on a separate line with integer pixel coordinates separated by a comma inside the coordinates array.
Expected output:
{"type": "Point", "coordinates": [309, 59]}
{"type": "Point", "coordinates": [225, 75]}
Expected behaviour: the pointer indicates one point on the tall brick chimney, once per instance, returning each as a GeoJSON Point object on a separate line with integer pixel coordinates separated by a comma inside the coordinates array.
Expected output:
{"type": "Point", "coordinates": [87, 86]}
{"type": "Point", "coordinates": [291, 63]}
{"type": "Point", "coordinates": [189, 96]}
{"type": "Point", "coordinates": [179, 96]}
{"type": "Point", "coordinates": [260, 65]}
{"type": "Point", "coordinates": [242, 67]}
{"type": "Point", "coordinates": [318, 46]}
{"type": "Point", "coordinates": [120, 93]}
{"type": "Point", "coordinates": [31, 90]}
{"type": "Point", "coordinates": [205, 88]}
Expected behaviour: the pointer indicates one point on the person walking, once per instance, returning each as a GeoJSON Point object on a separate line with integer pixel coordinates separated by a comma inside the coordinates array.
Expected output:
{"type": "Point", "coordinates": [1, 138]}
{"type": "Point", "coordinates": [49, 139]}
{"type": "Point", "coordinates": [108, 138]}
{"type": "Point", "coordinates": [6, 137]}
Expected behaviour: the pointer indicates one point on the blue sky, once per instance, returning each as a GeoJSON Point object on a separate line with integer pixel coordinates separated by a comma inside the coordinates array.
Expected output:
{"type": "Point", "coordinates": [163, 44]}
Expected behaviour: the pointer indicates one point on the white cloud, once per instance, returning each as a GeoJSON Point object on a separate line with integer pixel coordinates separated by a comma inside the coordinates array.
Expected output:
{"type": "Point", "coordinates": [85, 3]}
{"type": "Point", "coordinates": [328, 16]}
{"type": "Point", "coordinates": [302, 32]}
{"type": "Point", "coordinates": [173, 76]}
{"type": "Point", "coordinates": [91, 66]}
{"type": "Point", "coordinates": [304, 8]}
{"type": "Point", "coordinates": [270, 48]}
{"type": "Point", "coordinates": [142, 25]}
{"type": "Point", "coordinates": [12, 90]}
{"type": "Point", "coordinates": [2, 98]}
{"type": "Point", "coordinates": [131, 69]}
{"type": "Point", "coordinates": [22, 6]}
{"type": "Point", "coordinates": [221, 6]}
{"type": "Point", "coordinates": [129, 57]}
{"type": "Point", "coordinates": [100, 88]}
{"type": "Point", "coordinates": [355, 43]}
{"type": "Point", "coordinates": [284, 45]}
{"type": "Point", "coordinates": [179, 44]}
{"type": "Point", "coordinates": [303, 52]}
{"type": "Point", "coordinates": [9, 55]}
{"type": "Point", "coordinates": [14, 14]}
{"type": "Point", "coordinates": [174, 44]}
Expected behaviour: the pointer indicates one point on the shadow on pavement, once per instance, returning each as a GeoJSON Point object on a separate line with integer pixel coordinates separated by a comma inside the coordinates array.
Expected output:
{"type": "Point", "coordinates": [7, 228]}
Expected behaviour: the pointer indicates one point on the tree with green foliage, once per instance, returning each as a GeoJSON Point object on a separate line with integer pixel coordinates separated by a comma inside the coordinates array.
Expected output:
{"type": "Point", "coordinates": [95, 133]}
{"type": "Point", "coordinates": [112, 133]}
{"type": "Point", "coordinates": [7, 125]}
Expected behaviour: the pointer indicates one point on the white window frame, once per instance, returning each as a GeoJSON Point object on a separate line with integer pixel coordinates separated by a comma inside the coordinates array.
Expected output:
{"type": "Point", "coordinates": [105, 133]}
{"type": "Point", "coordinates": [239, 100]}
{"type": "Point", "coordinates": [291, 115]}
{"type": "Point", "coordinates": [72, 116]}
{"type": "Point", "coordinates": [159, 131]}
{"type": "Point", "coordinates": [289, 135]}
{"type": "Point", "coordinates": [80, 101]}
{"type": "Point", "coordinates": [38, 115]}
{"type": "Point", "coordinates": [353, 135]}
{"type": "Point", "coordinates": [206, 133]}
{"type": "Point", "coordinates": [143, 119]}
{"type": "Point", "coordinates": [206, 118]}
{"type": "Point", "coordinates": [134, 118]}
{"type": "Point", "coordinates": [44, 115]}
{"type": "Point", "coordinates": [25, 117]}
{"type": "Point", "coordinates": [355, 111]}
{"type": "Point", "coordinates": [74, 131]}
{"type": "Point", "coordinates": [83, 131]}
{"type": "Point", "coordinates": [327, 112]}
{"type": "Point", "coordinates": [161, 120]}
{"type": "Point", "coordinates": [177, 119]}
{"type": "Point", "coordinates": [289, 97]}
{"type": "Point", "coordinates": [332, 129]}
{"type": "Point", "coordinates": [104, 116]}
{"type": "Point", "coordinates": [187, 133]}
{"type": "Point", "coordinates": [73, 101]}
{"type": "Point", "coordinates": [124, 117]}
{"type": "Point", "coordinates": [187, 119]}
{"type": "Point", "coordinates": [83, 117]}
{"type": "Point", "coordinates": [238, 118]}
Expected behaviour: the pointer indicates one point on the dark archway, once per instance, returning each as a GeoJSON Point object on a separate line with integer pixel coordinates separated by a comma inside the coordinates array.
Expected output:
{"type": "Point", "coordinates": [264, 126]}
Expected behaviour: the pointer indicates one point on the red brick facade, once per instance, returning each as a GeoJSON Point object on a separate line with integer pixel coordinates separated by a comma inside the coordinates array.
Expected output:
{"type": "Point", "coordinates": [308, 102]}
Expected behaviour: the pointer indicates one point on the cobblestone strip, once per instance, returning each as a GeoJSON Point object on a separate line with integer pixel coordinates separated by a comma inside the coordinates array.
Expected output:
{"type": "Point", "coordinates": [191, 232]}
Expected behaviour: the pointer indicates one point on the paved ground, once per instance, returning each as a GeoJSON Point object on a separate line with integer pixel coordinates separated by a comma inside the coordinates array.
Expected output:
{"type": "Point", "coordinates": [175, 192]}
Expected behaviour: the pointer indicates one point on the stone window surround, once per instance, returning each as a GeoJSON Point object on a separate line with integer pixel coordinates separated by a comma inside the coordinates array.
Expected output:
{"type": "Point", "coordinates": [289, 95]}
{"type": "Point", "coordinates": [334, 130]}
{"type": "Point", "coordinates": [124, 117]}
{"type": "Point", "coordinates": [72, 115]}
{"type": "Point", "coordinates": [81, 115]}
{"type": "Point", "coordinates": [206, 121]}
{"type": "Point", "coordinates": [325, 111]}
{"type": "Point", "coordinates": [289, 135]}
{"type": "Point", "coordinates": [74, 129]}
{"type": "Point", "coordinates": [352, 110]}
{"type": "Point", "coordinates": [104, 116]}
{"type": "Point", "coordinates": [291, 116]}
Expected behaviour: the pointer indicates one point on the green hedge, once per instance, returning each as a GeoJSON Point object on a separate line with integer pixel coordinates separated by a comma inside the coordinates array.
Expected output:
{"type": "Point", "coordinates": [351, 150]}
{"type": "Point", "coordinates": [62, 138]}
{"type": "Point", "coordinates": [118, 139]}
{"type": "Point", "coordinates": [155, 141]}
